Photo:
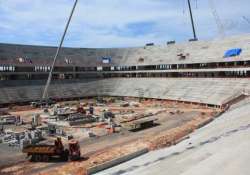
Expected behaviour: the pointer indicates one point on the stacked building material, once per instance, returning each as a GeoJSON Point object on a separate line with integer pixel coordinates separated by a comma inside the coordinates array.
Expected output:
{"type": "Point", "coordinates": [132, 117]}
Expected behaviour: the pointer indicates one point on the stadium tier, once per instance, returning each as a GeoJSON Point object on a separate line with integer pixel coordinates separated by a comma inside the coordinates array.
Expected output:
{"type": "Point", "coordinates": [183, 53]}
{"type": "Point", "coordinates": [204, 91]}
{"type": "Point", "coordinates": [206, 72]}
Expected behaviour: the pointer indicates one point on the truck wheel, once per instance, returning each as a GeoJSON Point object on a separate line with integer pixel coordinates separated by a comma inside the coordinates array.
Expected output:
{"type": "Point", "coordinates": [65, 155]}
{"type": "Point", "coordinates": [32, 159]}
{"type": "Point", "coordinates": [45, 158]}
{"type": "Point", "coordinates": [37, 158]}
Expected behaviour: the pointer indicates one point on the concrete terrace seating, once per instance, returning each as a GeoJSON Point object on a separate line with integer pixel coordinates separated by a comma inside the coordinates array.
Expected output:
{"type": "Point", "coordinates": [199, 52]}
{"type": "Point", "coordinates": [208, 91]}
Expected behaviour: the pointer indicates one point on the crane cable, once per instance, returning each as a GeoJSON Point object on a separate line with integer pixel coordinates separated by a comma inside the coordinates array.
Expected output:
{"type": "Point", "coordinates": [246, 19]}
{"type": "Point", "coordinates": [219, 24]}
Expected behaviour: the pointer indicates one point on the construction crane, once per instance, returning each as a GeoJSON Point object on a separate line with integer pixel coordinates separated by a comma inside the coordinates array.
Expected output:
{"type": "Point", "coordinates": [217, 19]}
{"type": "Point", "coordinates": [192, 20]}
{"type": "Point", "coordinates": [45, 92]}
{"type": "Point", "coordinates": [246, 19]}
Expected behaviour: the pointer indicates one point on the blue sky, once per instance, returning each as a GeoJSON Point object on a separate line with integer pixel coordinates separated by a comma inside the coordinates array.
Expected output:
{"type": "Point", "coordinates": [117, 23]}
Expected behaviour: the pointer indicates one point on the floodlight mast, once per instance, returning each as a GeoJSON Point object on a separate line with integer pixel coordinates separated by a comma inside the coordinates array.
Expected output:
{"type": "Point", "coordinates": [45, 92]}
{"type": "Point", "coordinates": [192, 20]}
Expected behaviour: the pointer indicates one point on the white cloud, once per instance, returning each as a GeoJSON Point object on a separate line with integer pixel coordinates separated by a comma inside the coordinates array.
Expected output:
{"type": "Point", "coordinates": [42, 21]}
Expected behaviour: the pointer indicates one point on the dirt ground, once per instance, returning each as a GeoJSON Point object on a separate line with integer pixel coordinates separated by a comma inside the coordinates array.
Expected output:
{"type": "Point", "coordinates": [172, 118]}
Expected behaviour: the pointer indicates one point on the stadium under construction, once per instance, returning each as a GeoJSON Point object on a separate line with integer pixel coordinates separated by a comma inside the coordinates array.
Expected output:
{"type": "Point", "coordinates": [177, 108]}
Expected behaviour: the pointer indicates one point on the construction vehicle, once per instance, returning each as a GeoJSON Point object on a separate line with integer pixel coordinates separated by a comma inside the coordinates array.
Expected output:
{"type": "Point", "coordinates": [74, 150]}
{"type": "Point", "coordinates": [139, 123]}
{"type": "Point", "coordinates": [80, 109]}
{"type": "Point", "coordinates": [42, 153]}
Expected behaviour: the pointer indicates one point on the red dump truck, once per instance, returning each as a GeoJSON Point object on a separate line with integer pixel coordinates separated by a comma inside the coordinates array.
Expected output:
{"type": "Point", "coordinates": [42, 153]}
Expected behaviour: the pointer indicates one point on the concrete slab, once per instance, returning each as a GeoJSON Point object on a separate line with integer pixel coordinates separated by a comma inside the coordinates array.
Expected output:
{"type": "Point", "coordinates": [220, 148]}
